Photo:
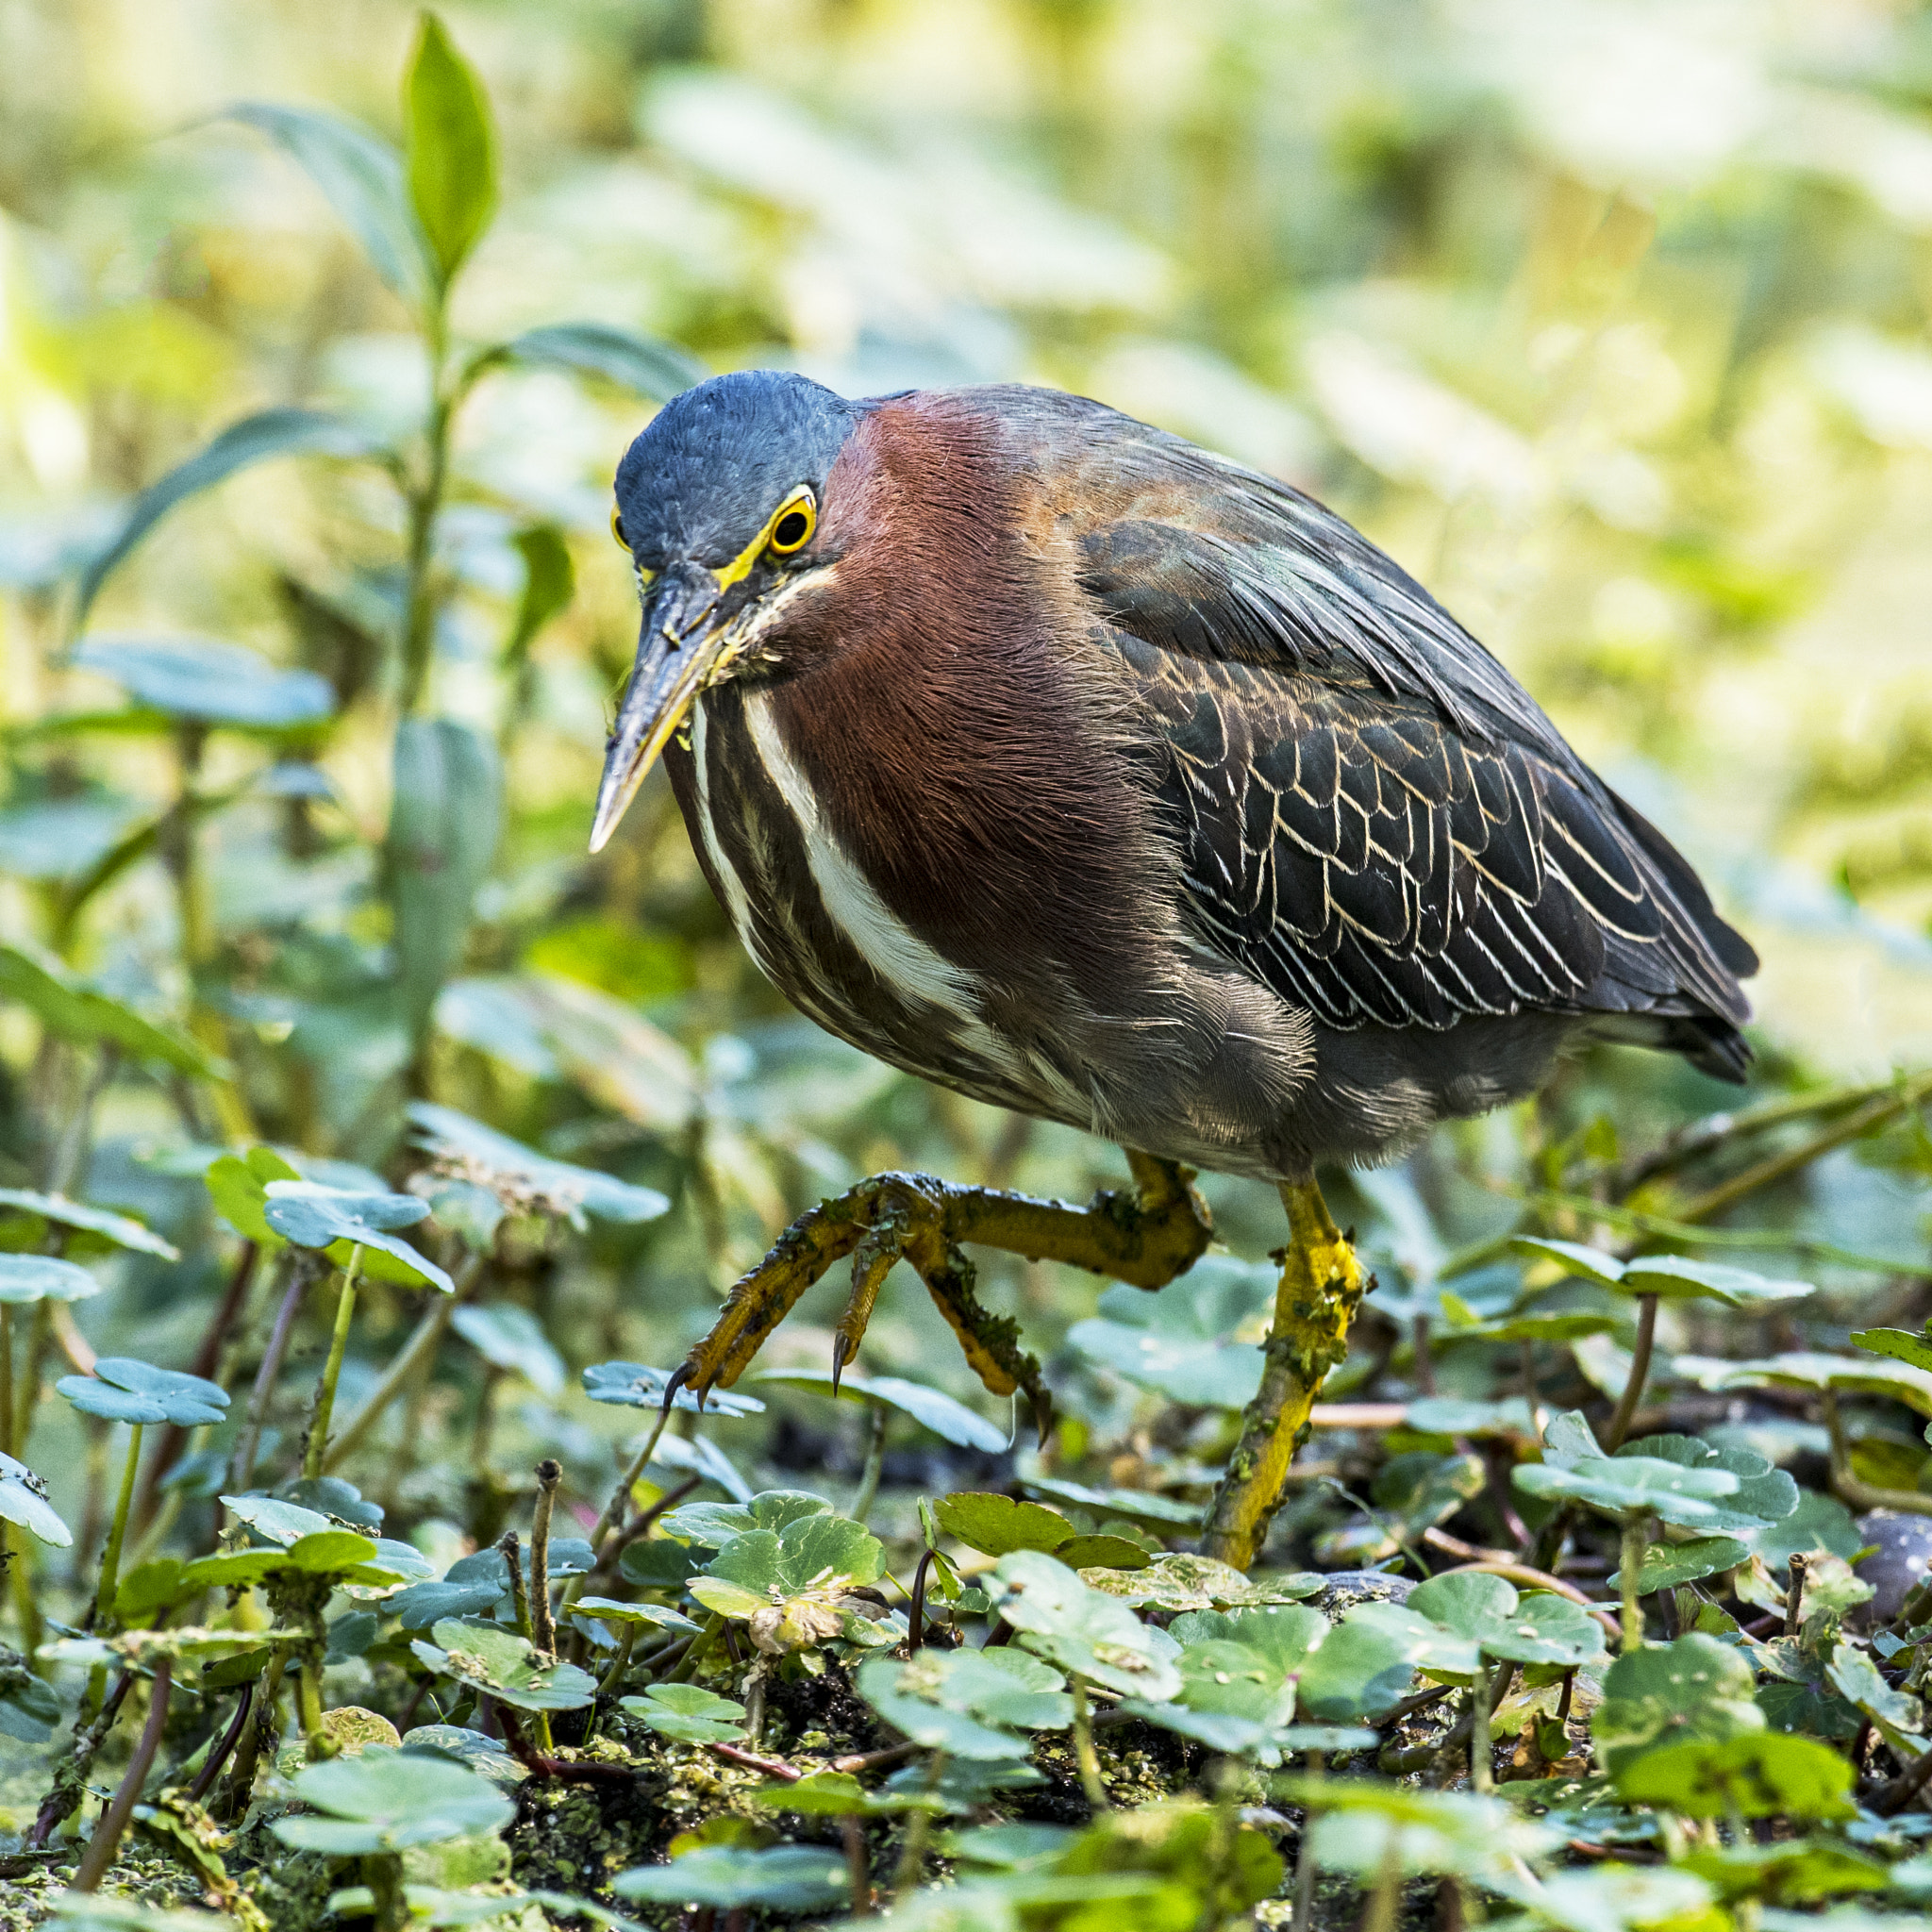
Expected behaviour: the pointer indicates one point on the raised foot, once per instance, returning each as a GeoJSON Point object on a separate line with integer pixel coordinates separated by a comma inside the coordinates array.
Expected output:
{"type": "Point", "coordinates": [1146, 1237]}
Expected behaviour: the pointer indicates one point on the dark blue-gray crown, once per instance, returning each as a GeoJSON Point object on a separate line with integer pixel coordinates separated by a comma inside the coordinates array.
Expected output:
{"type": "Point", "coordinates": [717, 460]}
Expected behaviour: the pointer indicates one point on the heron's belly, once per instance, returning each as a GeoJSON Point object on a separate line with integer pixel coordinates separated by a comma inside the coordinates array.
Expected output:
{"type": "Point", "coordinates": [816, 928]}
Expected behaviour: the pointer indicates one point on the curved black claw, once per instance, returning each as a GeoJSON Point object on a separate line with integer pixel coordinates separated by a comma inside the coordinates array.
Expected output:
{"type": "Point", "coordinates": [842, 1352]}
{"type": "Point", "coordinates": [679, 1377]}
{"type": "Point", "coordinates": [1043, 1414]}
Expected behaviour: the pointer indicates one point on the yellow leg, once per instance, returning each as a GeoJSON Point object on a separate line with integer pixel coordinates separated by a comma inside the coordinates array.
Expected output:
{"type": "Point", "coordinates": [1322, 1285]}
{"type": "Point", "coordinates": [1146, 1237]}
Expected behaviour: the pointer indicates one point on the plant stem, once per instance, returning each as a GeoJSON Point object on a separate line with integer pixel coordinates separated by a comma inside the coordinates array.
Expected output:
{"type": "Point", "coordinates": [211, 1769]}
{"type": "Point", "coordinates": [1794, 1596]}
{"type": "Point", "coordinates": [382, 1873]}
{"type": "Point", "coordinates": [918, 1831]}
{"type": "Point", "coordinates": [1630, 1563]}
{"type": "Point", "coordinates": [7, 1378]}
{"type": "Point", "coordinates": [916, 1618]}
{"type": "Point", "coordinates": [299, 1269]}
{"type": "Point", "coordinates": [70, 1778]}
{"type": "Point", "coordinates": [1304, 1857]}
{"type": "Point", "coordinates": [857, 1866]}
{"type": "Point", "coordinates": [1083, 1749]}
{"type": "Point", "coordinates": [1640, 1374]}
{"type": "Point", "coordinates": [874, 1464]}
{"type": "Point", "coordinates": [1481, 1772]}
{"type": "Point", "coordinates": [117, 1529]}
{"type": "Point", "coordinates": [423, 504]}
{"type": "Point", "coordinates": [620, 1664]}
{"type": "Point", "coordinates": [520, 1598]}
{"type": "Point", "coordinates": [308, 1704]}
{"type": "Point", "coordinates": [107, 1838]}
{"type": "Point", "coordinates": [409, 1365]}
{"type": "Point", "coordinates": [542, 1630]}
{"type": "Point", "coordinates": [1386, 1899]}
{"type": "Point", "coordinates": [332, 1369]}
{"type": "Point", "coordinates": [615, 1510]}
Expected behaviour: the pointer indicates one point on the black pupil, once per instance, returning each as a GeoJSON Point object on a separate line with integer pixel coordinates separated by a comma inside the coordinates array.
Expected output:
{"type": "Point", "coordinates": [791, 529]}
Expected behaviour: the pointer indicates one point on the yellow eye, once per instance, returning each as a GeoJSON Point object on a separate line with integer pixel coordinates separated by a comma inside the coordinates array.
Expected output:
{"type": "Point", "coordinates": [617, 528]}
{"type": "Point", "coordinates": [794, 525]}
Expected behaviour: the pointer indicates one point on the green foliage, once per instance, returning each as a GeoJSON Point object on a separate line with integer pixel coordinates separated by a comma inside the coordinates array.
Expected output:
{"type": "Point", "coordinates": [687, 1713]}
{"type": "Point", "coordinates": [385, 1801]}
{"type": "Point", "coordinates": [305, 707]}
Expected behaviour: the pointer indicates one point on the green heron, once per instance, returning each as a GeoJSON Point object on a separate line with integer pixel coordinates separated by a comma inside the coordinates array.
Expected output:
{"type": "Point", "coordinates": [1055, 760]}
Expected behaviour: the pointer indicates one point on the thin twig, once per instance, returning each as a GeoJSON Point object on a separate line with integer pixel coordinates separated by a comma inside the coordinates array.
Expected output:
{"type": "Point", "coordinates": [771, 1767]}
{"type": "Point", "coordinates": [542, 1631]}
{"type": "Point", "coordinates": [205, 1778]}
{"type": "Point", "coordinates": [1640, 1374]}
{"type": "Point", "coordinates": [107, 1838]}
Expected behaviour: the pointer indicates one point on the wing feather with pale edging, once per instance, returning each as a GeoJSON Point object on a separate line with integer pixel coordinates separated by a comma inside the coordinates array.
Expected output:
{"type": "Point", "coordinates": [1376, 818]}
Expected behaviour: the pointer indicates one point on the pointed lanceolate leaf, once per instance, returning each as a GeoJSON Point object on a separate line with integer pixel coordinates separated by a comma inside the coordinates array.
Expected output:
{"type": "Point", "coordinates": [451, 148]}
{"type": "Point", "coordinates": [121, 1230]}
{"type": "Point", "coordinates": [206, 681]}
{"type": "Point", "coordinates": [362, 178]}
{"type": "Point", "coordinates": [445, 818]}
{"type": "Point", "coordinates": [66, 1005]}
{"type": "Point", "coordinates": [279, 432]}
{"type": "Point", "coordinates": [652, 369]}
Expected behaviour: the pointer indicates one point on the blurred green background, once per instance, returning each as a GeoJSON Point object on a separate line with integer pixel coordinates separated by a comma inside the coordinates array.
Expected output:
{"type": "Point", "coordinates": [1607, 320]}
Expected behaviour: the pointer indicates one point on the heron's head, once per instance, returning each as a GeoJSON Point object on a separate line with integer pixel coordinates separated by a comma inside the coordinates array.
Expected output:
{"type": "Point", "coordinates": [719, 503]}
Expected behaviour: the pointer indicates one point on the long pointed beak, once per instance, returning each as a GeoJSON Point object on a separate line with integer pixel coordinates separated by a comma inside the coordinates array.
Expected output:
{"type": "Point", "coordinates": [677, 651]}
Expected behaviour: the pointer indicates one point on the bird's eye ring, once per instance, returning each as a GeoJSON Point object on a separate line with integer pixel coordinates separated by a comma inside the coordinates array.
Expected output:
{"type": "Point", "coordinates": [795, 522]}
{"type": "Point", "coordinates": [617, 528]}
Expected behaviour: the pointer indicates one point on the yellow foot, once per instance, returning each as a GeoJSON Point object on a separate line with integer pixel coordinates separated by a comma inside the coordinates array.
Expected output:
{"type": "Point", "coordinates": [1321, 1288]}
{"type": "Point", "coordinates": [1146, 1237]}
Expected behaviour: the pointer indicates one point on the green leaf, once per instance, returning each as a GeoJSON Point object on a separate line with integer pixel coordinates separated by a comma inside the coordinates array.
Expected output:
{"type": "Point", "coordinates": [790, 1879]}
{"type": "Point", "coordinates": [43, 1277]}
{"type": "Point", "coordinates": [451, 148]}
{"type": "Point", "coordinates": [650, 369]}
{"type": "Point", "coordinates": [817, 1550]}
{"type": "Point", "coordinates": [481, 1754]}
{"type": "Point", "coordinates": [336, 1221]}
{"type": "Point", "coordinates": [1901, 1344]}
{"type": "Point", "coordinates": [1856, 1678]}
{"type": "Point", "coordinates": [1181, 1340]}
{"type": "Point", "coordinates": [69, 1007]}
{"type": "Point", "coordinates": [446, 818]}
{"type": "Point", "coordinates": [269, 433]}
{"type": "Point", "coordinates": [636, 1386]}
{"type": "Point", "coordinates": [206, 682]}
{"type": "Point", "coordinates": [1630, 1486]}
{"type": "Point", "coordinates": [237, 1185]}
{"type": "Point", "coordinates": [1764, 1495]}
{"type": "Point", "coordinates": [1667, 1565]}
{"type": "Point", "coordinates": [1695, 1689]}
{"type": "Point", "coordinates": [610, 1610]}
{"type": "Point", "coordinates": [362, 179]}
{"type": "Point", "coordinates": [713, 1525]}
{"type": "Point", "coordinates": [1362, 1665]}
{"type": "Point", "coordinates": [86, 1911]}
{"type": "Point", "coordinates": [1671, 1277]}
{"type": "Point", "coordinates": [1756, 1775]}
{"type": "Point", "coordinates": [689, 1713]}
{"type": "Point", "coordinates": [550, 582]}
{"type": "Point", "coordinates": [1363, 1823]}
{"type": "Point", "coordinates": [1902, 1381]}
{"type": "Point", "coordinates": [1079, 1629]}
{"type": "Point", "coordinates": [1796, 1871]}
{"type": "Point", "coordinates": [123, 1390]}
{"type": "Point", "coordinates": [24, 1500]}
{"type": "Point", "coordinates": [29, 1709]}
{"type": "Point", "coordinates": [511, 1338]}
{"type": "Point", "coordinates": [1543, 1628]}
{"type": "Point", "coordinates": [998, 1524]}
{"type": "Point", "coordinates": [1100, 1552]}
{"type": "Point", "coordinates": [491, 1657]}
{"type": "Point", "coordinates": [930, 1408]}
{"type": "Point", "coordinates": [838, 1794]}
{"type": "Point", "coordinates": [1180, 1582]}
{"type": "Point", "coordinates": [1137, 1506]}
{"type": "Point", "coordinates": [385, 1800]}
{"type": "Point", "coordinates": [121, 1230]}
{"type": "Point", "coordinates": [525, 1180]}
{"type": "Point", "coordinates": [966, 1703]}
